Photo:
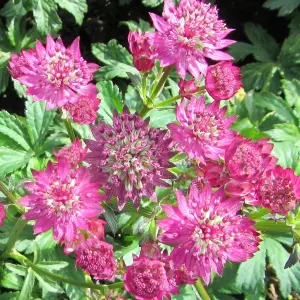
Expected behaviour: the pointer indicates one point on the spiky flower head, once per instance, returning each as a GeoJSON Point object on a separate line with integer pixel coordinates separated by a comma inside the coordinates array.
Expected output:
{"type": "Point", "coordinates": [140, 49]}
{"type": "Point", "coordinates": [187, 35]}
{"type": "Point", "coordinates": [203, 131]}
{"type": "Point", "coordinates": [2, 214]}
{"type": "Point", "coordinates": [207, 231]}
{"type": "Point", "coordinates": [63, 199]}
{"type": "Point", "coordinates": [85, 110]}
{"type": "Point", "coordinates": [56, 74]}
{"type": "Point", "coordinates": [223, 80]}
{"type": "Point", "coordinates": [97, 259]}
{"type": "Point", "coordinates": [278, 189]}
{"type": "Point", "coordinates": [131, 157]}
{"type": "Point", "coordinates": [187, 88]}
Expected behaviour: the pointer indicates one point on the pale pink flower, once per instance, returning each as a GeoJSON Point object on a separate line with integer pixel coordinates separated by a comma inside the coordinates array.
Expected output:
{"type": "Point", "coordinates": [85, 110]}
{"type": "Point", "coordinates": [130, 157]}
{"type": "Point", "coordinates": [187, 88]}
{"type": "Point", "coordinates": [140, 49]}
{"type": "Point", "coordinates": [203, 131]}
{"type": "Point", "coordinates": [56, 74]}
{"type": "Point", "coordinates": [97, 259]}
{"type": "Point", "coordinates": [223, 80]}
{"type": "Point", "coordinates": [2, 214]}
{"type": "Point", "coordinates": [73, 153]}
{"type": "Point", "coordinates": [63, 199]}
{"type": "Point", "coordinates": [206, 232]}
{"type": "Point", "coordinates": [187, 35]}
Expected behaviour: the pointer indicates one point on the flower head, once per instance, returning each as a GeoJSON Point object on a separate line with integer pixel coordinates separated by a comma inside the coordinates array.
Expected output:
{"type": "Point", "coordinates": [97, 259]}
{"type": "Point", "coordinates": [140, 49]}
{"type": "Point", "coordinates": [131, 158]}
{"type": "Point", "coordinates": [204, 131]}
{"type": "Point", "coordinates": [187, 35]}
{"type": "Point", "coordinates": [206, 232]}
{"type": "Point", "coordinates": [2, 214]}
{"type": "Point", "coordinates": [278, 189]}
{"type": "Point", "coordinates": [63, 199]}
{"type": "Point", "coordinates": [223, 80]}
{"type": "Point", "coordinates": [56, 74]}
{"type": "Point", "coordinates": [187, 88]}
{"type": "Point", "coordinates": [85, 110]}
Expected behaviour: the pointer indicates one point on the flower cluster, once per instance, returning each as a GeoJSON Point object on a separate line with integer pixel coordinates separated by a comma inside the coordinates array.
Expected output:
{"type": "Point", "coordinates": [2, 214]}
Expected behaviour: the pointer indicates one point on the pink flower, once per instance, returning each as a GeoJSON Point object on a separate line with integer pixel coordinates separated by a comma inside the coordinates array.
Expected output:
{"type": "Point", "coordinates": [56, 74]}
{"type": "Point", "coordinates": [140, 48]}
{"type": "Point", "coordinates": [223, 80]}
{"type": "Point", "coordinates": [187, 88]}
{"type": "Point", "coordinates": [278, 189]}
{"type": "Point", "coordinates": [204, 131]}
{"type": "Point", "coordinates": [62, 199]}
{"type": "Point", "coordinates": [206, 232]}
{"type": "Point", "coordinates": [73, 153]}
{"type": "Point", "coordinates": [85, 110]}
{"type": "Point", "coordinates": [97, 259]}
{"type": "Point", "coordinates": [130, 157]}
{"type": "Point", "coordinates": [147, 279]}
{"type": "Point", "coordinates": [2, 214]}
{"type": "Point", "coordinates": [187, 35]}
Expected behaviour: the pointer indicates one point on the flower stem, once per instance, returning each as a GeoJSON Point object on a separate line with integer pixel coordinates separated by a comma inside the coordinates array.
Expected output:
{"type": "Point", "coordinates": [11, 197]}
{"type": "Point", "coordinates": [144, 88]}
{"type": "Point", "coordinates": [70, 129]}
{"type": "Point", "coordinates": [167, 102]}
{"type": "Point", "coordinates": [25, 261]}
{"type": "Point", "coordinates": [201, 290]}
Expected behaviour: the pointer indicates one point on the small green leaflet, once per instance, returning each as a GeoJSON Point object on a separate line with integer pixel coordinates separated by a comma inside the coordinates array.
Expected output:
{"type": "Point", "coordinates": [285, 7]}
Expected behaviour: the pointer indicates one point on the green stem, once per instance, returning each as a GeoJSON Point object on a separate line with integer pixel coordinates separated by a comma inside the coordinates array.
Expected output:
{"type": "Point", "coordinates": [144, 88]}
{"type": "Point", "coordinates": [167, 102]}
{"type": "Point", "coordinates": [144, 111]}
{"type": "Point", "coordinates": [70, 129]}
{"type": "Point", "coordinates": [11, 197]}
{"type": "Point", "coordinates": [25, 261]}
{"type": "Point", "coordinates": [272, 226]}
{"type": "Point", "coordinates": [201, 290]}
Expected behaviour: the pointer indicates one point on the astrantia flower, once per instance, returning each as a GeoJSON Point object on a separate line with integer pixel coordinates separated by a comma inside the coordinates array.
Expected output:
{"type": "Point", "coordinates": [62, 199]}
{"type": "Point", "coordinates": [187, 88]}
{"type": "Point", "coordinates": [278, 189]}
{"type": "Point", "coordinates": [206, 232]}
{"type": "Point", "coordinates": [187, 35]}
{"type": "Point", "coordinates": [73, 153]}
{"type": "Point", "coordinates": [56, 74]}
{"type": "Point", "coordinates": [140, 49]}
{"type": "Point", "coordinates": [223, 80]}
{"type": "Point", "coordinates": [2, 214]}
{"type": "Point", "coordinates": [147, 279]}
{"type": "Point", "coordinates": [204, 131]}
{"type": "Point", "coordinates": [85, 110]}
{"type": "Point", "coordinates": [97, 259]}
{"type": "Point", "coordinates": [132, 157]}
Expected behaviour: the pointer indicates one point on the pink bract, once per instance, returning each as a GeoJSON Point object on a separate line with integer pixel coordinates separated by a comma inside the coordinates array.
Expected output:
{"type": "Point", "coordinates": [130, 157]}
{"type": "Point", "coordinates": [54, 73]}
{"type": "Point", "coordinates": [223, 80]}
{"type": "Point", "coordinates": [187, 35]}
{"type": "Point", "coordinates": [187, 88]}
{"type": "Point", "coordinates": [203, 131]}
{"type": "Point", "coordinates": [63, 199]}
{"type": "Point", "coordinates": [2, 214]}
{"type": "Point", "coordinates": [207, 231]}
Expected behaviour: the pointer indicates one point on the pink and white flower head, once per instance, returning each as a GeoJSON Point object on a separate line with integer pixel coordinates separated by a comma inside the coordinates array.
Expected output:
{"type": "Point", "coordinates": [223, 80]}
{"type": "Point", "coordinates": [2, 214]}
{"type": "Point", "coordinates": [278, 189]}
{"type": "Point", "coordinates": [140, 49]}
{"type": "Point", "coordinates": [131, 158]}
{"type": "Point", "coordinates": [206, 232]}
{"type": "Point", "coordinates": [97, 259]}
{"type": "Point", "coordinates": [147, 279]}
{"type": "Point", "coordinates": [63, 199]}
{"type": "Point", "coordinates": [187, 88]}
{"type": "Point", "coordinates": [56, 74]}
{"type": "Point", "coordinates": [187, 35]}
{"type": "Point", "coordinates": [73, 153]}
{"type": "Point", "coordinates": [203, 131]}
{"type": "Point", "coordinates": [85, 110]}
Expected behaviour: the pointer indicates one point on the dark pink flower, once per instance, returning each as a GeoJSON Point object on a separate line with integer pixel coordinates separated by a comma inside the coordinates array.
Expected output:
{"type": "Point", "coordinates": [140, 49]}
{"type": "Point", "coordinates": [187, 88]}
{"type": "Point", "coordinates": [63, 199]}
{"type": "Point", "coordinates": [73, 153]}
{"type": "Point", "coordinates": [56, 74]}
{"type": "Point", "coordinates": [223, 80]}
{"type": "Point", "coordinates": [206, 232]}
{"type": "Point", "coordinates": [130, 157]}
{"type": "Point", "coordinates": [85, 110]}
{"type": "Point", "coordinates": [2, 214]}
{"type": "Point", "coordinates": [278, 189]}
{"type": "Point", "coordinates": [203, 131]}
{"type": "Point", "coordinates": [97, 259]}
{"type": "Point", "coordinates": [188, 34]}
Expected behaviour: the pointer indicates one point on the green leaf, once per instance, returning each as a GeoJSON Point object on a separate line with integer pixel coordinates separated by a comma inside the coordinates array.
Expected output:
{"type": "Point", "coordinates": [111, 219]}
{"type": "Point", "coordinates": [186, 292]}
{"type": "Point", "coordinates": [284, 133]}
{"type": "Point", "coordinates": [47, 285]}
{"type": "Point", "coordinates": [152, 3]}
{"type": "Point", "coordinates": [292, 92]}
{"type": "Point", "coordinates": [4, 75]}
{"type": "Point", "coordinates": [294, 25]}
{"type": "Point", "coordinates": [160, 118]}
{"type": "Point", "coordinates": [133, 99]}
{"type": "Point", "coordinates": [241, 50]}
{"type": "Point", "coordinates": [17, 269]}
{"type": "Point", "coordinates": [285, 7]}
{"type": "Point", "coordinates": [247, 129]}
{"type": "Point", "coordinates": [27, 286]}
{"type": "Point", "coordinates": [52, 265]}
{"type": "Point", "coordinates": [10, 280]}
{"type": "Point", "coordinates": [76, 7]}
{"type": "Point", "coordinates": [111, 99]}
{"type": "Point", "coordinates": [10, 296]}
{"type": "Point", "coordinates": [143, 26]}
{"type": "Point", "coordinates": [45, 15]}
{"type": "Point", "coordinates": [13, 9]}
